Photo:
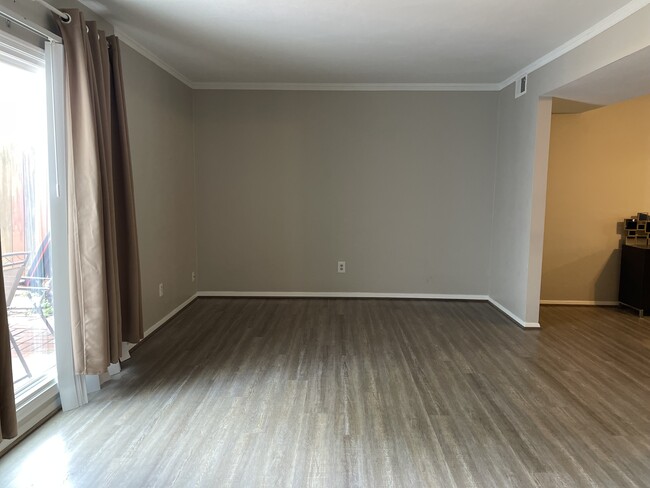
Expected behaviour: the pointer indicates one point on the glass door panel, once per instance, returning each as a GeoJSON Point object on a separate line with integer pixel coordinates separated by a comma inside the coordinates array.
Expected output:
{"type": "Point", "coordinates": [25, 217]}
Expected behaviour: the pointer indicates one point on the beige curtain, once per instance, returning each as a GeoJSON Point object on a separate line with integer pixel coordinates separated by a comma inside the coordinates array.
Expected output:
{"type": "Point", "coordinates": [127, 242]}
{"type": "Point", "coordinates": [103, 246]}
{"type": "Point", "coordinates": [8, 422]}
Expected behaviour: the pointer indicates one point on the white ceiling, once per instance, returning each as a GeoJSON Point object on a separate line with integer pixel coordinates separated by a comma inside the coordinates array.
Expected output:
{"type": "Point", "coordinates": [566, 106]}
{"type": "Point", "coordinates": [352, 41]}
{"type": "Point", "coordinates": [624, 79]}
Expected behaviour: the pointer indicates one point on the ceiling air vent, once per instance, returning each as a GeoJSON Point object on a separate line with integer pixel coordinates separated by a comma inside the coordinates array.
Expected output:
{"type": "Point", "coordinates": [521, 86]}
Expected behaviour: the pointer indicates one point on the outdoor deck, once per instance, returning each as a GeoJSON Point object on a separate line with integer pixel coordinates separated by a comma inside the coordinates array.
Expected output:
{"type": "Point", "coordinates": [34, 340]}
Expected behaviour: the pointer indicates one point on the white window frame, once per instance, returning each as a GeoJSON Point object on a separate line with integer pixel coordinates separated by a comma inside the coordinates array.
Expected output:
{"type": "Point", "coordinates": [65, 389]}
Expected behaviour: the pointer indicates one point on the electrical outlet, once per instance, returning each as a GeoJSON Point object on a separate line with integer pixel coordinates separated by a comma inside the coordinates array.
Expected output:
{"type": "Point", "coordinates": [341, 267]}
{"type": "Point", "coordinates": [161, 290]}
{"type": "Point", "coordinates": [193, 276]}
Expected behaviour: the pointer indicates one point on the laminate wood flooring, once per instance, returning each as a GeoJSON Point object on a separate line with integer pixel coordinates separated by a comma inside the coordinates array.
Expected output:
{"type": "Point", "coordinates": [369, 393]}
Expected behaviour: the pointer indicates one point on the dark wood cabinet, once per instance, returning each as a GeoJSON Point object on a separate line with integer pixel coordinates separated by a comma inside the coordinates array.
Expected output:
{"type": "Point", "coordinates": [634, 287]}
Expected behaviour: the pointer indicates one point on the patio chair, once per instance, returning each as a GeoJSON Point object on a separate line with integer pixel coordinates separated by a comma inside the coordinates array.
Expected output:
{"type": "Point", "coordinates": [37, 281]}
{"type": "Point", "coordinates": [13, 266]}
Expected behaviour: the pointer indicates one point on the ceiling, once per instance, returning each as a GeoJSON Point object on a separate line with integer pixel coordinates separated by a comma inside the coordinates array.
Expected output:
{"type": "Point", "coordinates": [351, 41]}
{"type": "Point", "coordinates": [626, 78]}
{"type": "Point", "coordinates": [570, 107]}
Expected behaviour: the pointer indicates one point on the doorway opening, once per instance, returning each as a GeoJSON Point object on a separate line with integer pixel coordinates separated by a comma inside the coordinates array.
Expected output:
{"type": "Point", "coordinates": [598, 168]}
{"type": "Point", "coordinates": [599, 163]}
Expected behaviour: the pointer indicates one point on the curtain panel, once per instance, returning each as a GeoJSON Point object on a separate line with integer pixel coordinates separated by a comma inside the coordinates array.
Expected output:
{"type": "Point", "coordinates": [8, 422]}
{"type": "Point", "coordinates": [106, 304]}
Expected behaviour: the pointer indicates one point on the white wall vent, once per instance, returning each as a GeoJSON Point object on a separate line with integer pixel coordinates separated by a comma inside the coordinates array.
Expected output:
{"type": "Point", "coordinates": [521, 86]}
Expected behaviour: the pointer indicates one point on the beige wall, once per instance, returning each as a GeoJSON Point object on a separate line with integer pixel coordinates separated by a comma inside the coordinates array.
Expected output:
{"type": "Point", "coordinates": [599, 166]}
{"type": "Point", "coordinates": [161, 132]}
{"type": "Point", "coordinates": [398, 185]}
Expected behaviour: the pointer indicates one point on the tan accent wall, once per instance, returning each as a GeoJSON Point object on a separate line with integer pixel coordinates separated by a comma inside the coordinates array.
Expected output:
{"type": "Point", "coordinates": [598, 174]}
{"type": "Point", "coordinates": [159, 108]}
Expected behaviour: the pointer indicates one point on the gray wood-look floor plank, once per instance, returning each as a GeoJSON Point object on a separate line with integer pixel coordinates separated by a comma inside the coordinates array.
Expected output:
{"type": "Point", "coordinates": [361, 393]}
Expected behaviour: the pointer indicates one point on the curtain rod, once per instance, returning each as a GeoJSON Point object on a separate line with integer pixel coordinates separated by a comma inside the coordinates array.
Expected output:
{"type": "Point", "coordinates": [64, 17]}
{"type": "Point", "coordinates": [27, 24]}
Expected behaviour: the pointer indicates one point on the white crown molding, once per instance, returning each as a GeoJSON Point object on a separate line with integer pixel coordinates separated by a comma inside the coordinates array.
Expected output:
{"type": "Point", "coordinates": [512, 316]}
{"type": "Point", "coordinates": [596, 29]}
{"type": "Point", "coordinates": [136, 46]}
{"type": "Point", "coordinates": [473, 87]}
{"type": "Point", "coordinates": [597, 303]}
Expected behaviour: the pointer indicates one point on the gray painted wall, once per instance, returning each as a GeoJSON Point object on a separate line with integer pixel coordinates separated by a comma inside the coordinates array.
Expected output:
{"type": "Point", "coordinates": [524, 130]}
{"type": "Point", "coordinates": [161, 132]}
{"type": "Point", "coordinates": [398, 185]}
{"type": "Point", "coordinates": [382, 180]}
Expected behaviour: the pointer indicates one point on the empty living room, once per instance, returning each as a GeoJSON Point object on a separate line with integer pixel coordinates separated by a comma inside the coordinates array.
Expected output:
{"type": "Point", "coordinates": [325, 244]}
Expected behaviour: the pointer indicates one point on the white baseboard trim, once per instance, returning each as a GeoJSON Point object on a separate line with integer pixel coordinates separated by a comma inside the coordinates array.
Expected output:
{"type": "Point", "coordinates": [599, 303]}
{"type": "Point", "coordinates": [338, 294]}
{"type": "Point", "coordinates": [126, 355]}
{"type": "Point", "coordinates": [169, 316]}
{"type": "Point", "coordinates": [519, 321]}
{"type": "Point", "coordinates": [165, 319]}
{"type": "Point", "coordinates": [114, 368]}
{"type": "Point", "coordinates": [94, 382]}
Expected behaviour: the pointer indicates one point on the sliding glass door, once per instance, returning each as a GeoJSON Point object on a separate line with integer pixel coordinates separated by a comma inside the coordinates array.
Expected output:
{"type": "Point", "coordinates": [25, 216]}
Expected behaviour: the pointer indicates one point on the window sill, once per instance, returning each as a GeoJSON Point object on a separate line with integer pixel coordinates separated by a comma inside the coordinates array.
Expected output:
{"type": "Point", "coordinates": [34, 406]}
